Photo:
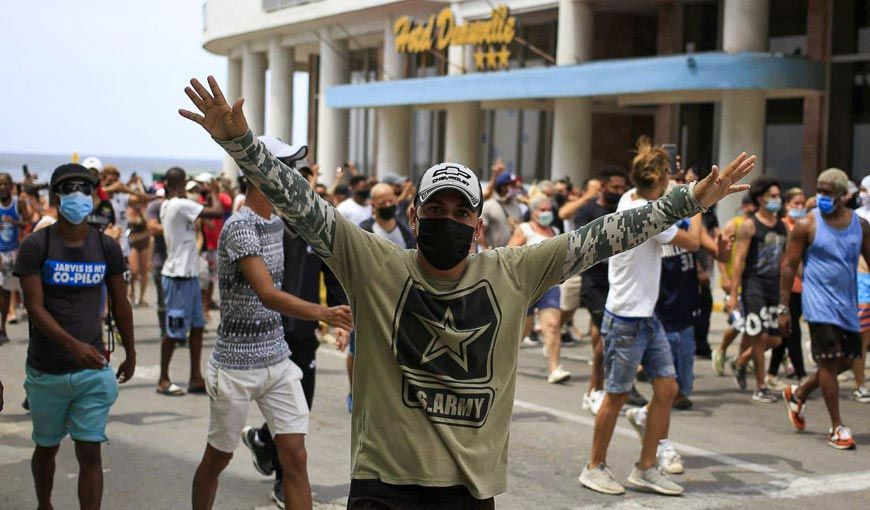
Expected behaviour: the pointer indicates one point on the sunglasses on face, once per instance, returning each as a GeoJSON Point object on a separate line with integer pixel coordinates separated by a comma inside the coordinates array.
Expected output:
{"type": "Point", "coordinates": [65, 188]}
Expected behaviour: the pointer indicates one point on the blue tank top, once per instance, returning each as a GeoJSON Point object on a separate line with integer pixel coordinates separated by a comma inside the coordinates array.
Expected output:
{"type": "Point", "coordinates": [830, 288]}
{"type": "Point", "coordinates": [679, 301]}
{"type": "Point", "coordinates": [8, 231]}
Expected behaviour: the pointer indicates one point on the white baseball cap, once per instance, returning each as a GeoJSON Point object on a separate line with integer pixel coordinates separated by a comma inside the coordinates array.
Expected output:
{"type": "Point", "coordinates": [281, 149]}
{"type": "Point", "coordinates": [191, 184]}
{"type": "Point", "coordinates": [93, 162]}
{"type": "Point", "coordinates": [450, 176]}
{"type": "Point", "coordinates": [204, 177]}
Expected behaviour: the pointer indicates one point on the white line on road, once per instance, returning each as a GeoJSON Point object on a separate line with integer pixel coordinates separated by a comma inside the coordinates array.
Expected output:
{"type": "Point", "coordinates": [730, 496]}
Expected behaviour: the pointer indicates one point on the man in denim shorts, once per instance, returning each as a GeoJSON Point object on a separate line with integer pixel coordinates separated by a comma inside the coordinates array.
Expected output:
{"type": "Point", "coordinates": [632, 336]}
{"type": "Point", "coordinates": [180, 279]}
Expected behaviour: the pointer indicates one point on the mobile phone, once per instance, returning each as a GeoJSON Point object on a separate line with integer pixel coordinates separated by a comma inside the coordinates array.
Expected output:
{"type": "Point", "coordinates": [25, 170]}
{"type": "Point", "coordinates": [671, 149]}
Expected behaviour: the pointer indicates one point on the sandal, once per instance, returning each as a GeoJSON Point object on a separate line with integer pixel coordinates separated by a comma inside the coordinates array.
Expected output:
{"type": "Point", "coordinates": [173, 390]}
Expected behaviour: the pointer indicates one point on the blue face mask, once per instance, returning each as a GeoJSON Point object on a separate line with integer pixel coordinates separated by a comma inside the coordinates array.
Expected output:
{"type": "Point", "coordinates": [545, 218]}
{"type": "Point", "coordinates": [825, 203]}
{"type": "Point", "coordinates": [75, 207]}
{"type": "Point", "coordinates": [797, 213]}
{"type": "Point", "coordinates": [774, 204]}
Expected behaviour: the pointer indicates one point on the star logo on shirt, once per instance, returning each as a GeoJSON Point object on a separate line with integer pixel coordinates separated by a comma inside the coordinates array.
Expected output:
{"type": "Point", "coordinates": [448, 339]}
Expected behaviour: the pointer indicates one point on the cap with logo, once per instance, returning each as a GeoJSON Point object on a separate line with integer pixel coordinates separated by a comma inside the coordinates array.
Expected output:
{"type": "Point", "coordinates": [71, 171]}
{"type": "Point", "coordinates": [281, 149]}
{"type": "Point", "coordinates": [450, 176]}
{"type": "Point", "coordinates": [505, 179]}
{"type": "Point", "coordinates": [93, 162]}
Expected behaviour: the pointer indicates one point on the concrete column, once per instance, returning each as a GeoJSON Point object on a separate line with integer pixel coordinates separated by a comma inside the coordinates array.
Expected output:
{"type": "Point", "coordinates": [742, 112]}
{"type": "Point", "coordinates": [462, 129]}
{"type": "Point", "coordinates": [254, 89]}
{"type": "Point", "coordinates": [233, 92]}
{"type": "Point", "coordinates": [572, 117]}
{"type": "Point", "coordinates": [331, 122]}
{"type": "Point", "coordinates": [280, 91]}
{"type": "Point", "coordinates": [394, 123]}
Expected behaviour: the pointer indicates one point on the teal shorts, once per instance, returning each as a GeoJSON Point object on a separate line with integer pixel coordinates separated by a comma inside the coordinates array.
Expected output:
{"type": "Point", "coordinates": [77, 404]}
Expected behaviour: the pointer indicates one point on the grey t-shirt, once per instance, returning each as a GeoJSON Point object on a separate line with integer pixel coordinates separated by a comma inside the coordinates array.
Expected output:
{"type": "Point", "coordinates": [250, 335]}
{"type": "Point", "coordinates": [394, 235]}
{"type": "Point", "coordinates": [72, 280]}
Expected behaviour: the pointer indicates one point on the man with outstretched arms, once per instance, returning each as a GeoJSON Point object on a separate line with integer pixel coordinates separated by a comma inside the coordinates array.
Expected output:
{"type": "Point", "coordinates": [438, 329]}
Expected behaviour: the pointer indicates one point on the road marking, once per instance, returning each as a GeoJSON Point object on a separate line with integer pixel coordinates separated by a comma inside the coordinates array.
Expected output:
{"type": "Point", "coordinates": [150, 372]}
{"type": "Point", "coordinates": [729, 496]}
{"type": "Point", "coordinates": [682, 448]}
{"type": "Point", "coordinates": [589, 421]}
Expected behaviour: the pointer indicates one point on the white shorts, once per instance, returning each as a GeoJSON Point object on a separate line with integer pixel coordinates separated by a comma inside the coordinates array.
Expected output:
{"type": "Point", "coordinates": [276, 389]}
{"type": "Point", "coordinates": [7, 262]}
{"type": "Point", "coordinates": [569, 299]}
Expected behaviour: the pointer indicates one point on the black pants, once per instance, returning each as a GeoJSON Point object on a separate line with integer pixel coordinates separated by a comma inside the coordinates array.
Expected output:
{"type": "Point", "coordinates": [377, 495]}
{"type": "Point", "coordinates": [702, 322]}
{"type": "Point", "coordinates": [792, 343]}
{"type": "Point", "coordinates": [303, 352]}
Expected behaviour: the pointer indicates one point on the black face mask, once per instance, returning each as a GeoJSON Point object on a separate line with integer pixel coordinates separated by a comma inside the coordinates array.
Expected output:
{"type": "Point", "coordinates": [559, 199]}
{"type": "Point", "coordinates": [611, 198]}
{"type": "Point", "coordinates": [362, 195]}
{"type": "Point", "coordinates": [387, 213]}
{"type": "Point", "coordinates": [444, 242]}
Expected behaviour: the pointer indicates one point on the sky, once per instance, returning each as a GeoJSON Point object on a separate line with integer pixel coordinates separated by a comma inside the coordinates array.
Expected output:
{"type": "Point", "coordinates": [107, 77]}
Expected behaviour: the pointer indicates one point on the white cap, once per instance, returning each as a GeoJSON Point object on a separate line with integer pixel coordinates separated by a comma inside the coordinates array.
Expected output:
{"type": "Point", "coordinates": [203, 177]}
{"type": "Point", "coordinates": [93, 162]}
{"type": "Point", "coordinates": [190, 185]}
{"type": "Point", "coordinates": [281, 149]}
{"type": "Point", "coordinates": [450, 176]}
{"type": "Point", "coordinates": [865, 182]}
{"type": "Point", "coordinates": [161, 192]}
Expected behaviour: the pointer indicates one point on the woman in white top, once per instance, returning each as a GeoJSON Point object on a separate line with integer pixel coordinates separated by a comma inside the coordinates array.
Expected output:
{"type": "Point", "coordinates": [549, 313]}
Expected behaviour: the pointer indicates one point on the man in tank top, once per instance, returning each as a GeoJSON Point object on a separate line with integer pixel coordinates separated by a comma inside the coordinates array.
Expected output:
{"type": "Point", "coordinates": [13, 216]}
{"type": "Point", "coordinates": [758, 254]}
{"type": "Point", "coordinates": [829, 241]}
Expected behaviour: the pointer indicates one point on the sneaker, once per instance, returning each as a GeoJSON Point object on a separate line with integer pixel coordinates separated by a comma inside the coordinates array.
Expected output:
{"type": "Point", "coordinates": [765, 396]}
{"type": "Point", "coordinates": [739, 375]}
{"type": "Point", "coordinates": [718, 362]}
{"type": "Point", "coordinates": [592, 401]}
{"type": "Point", "coordinates": [635, 398]}
{"type": "Point", "coordinates": [349, 402]}
{"type": "Point", "coordinates": [861, 395]}
{"type": "Point", "coordinates": [559, 375]}
{"type": "Point", "coordinates": [655, 480]}
{"type": "Point", "coordinates": [845, 376]}
{"type": "Point", "coordinates": [263, 462]}
{"type": "Point", "coordinates": [773, 382]}
{"type": "Point", "coordinates": [795, 408]}
{"type": "Point", "coordinates": [600, 479]}
{"type": "Point", "coordinates": [668, 459]}
{"type": "Point", "coordinates": [278, 493]}
{"type": "Point", "coordinates": [683, 404]}
{"type": "Point", "coordinates": [841, 438]}
{"type": "Point", "coordinates": [637, 420]}
{"type": "Point", "coordinates": [528, 342]}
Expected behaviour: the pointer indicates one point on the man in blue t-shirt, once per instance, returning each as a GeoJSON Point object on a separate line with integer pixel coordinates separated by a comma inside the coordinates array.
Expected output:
{"type": "Point", "coordinates": [70, 386]}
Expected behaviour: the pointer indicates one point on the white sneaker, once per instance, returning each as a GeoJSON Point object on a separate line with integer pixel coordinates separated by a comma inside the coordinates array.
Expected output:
{"type": "Point", "coordinates": [600, 479]}
{"type": "Point", "coordinates": [773, 382]}
{"type": "Point", "coordinates": [528, 342]}
{"type": "Point", "coordinates": [637, 417]}
{"type": "Point", "coordinates": [654, 480]}
{"type": "Point", "coordinates": [861, 395]}
{"type": "Point", "coordinates": [559, 375]}
{"type": "Point", "coordinates": [596, 398]}
{"type": "Point", "coordinates": [668, 459]}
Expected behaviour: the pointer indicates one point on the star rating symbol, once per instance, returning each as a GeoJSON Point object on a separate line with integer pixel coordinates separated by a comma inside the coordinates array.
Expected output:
{"type": "Point", "coordinates": [504, 57]}
{"type": "Point", "coordinates": [491, 57]}
{"type": "Point", "coordinates": [479, 55]}
{"type": "Point", "coordinates": [447, 339]}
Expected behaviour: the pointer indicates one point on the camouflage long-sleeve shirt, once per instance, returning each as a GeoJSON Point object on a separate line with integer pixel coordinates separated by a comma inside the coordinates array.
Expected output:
{"type": "Point", "coordinates": [435, 363]}
{"type": "Point", "coordinates": [315, 219]}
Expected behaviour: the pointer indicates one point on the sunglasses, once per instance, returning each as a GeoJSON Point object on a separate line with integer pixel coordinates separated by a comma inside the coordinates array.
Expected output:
{"type": "Point", "coordinates": [67, 187]}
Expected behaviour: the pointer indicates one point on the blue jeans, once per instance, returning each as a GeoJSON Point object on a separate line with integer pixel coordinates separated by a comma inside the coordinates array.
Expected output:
{"type": "Point", "coordinates": [630, 341]}
{"type": "Point", "coordinates": [683, 349]}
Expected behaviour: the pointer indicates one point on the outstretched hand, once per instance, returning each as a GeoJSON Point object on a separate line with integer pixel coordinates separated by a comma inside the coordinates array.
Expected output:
{"type": "Point", "coordinates": [718, 185]}
{"type": "Point", "coordinates": [222, 121]}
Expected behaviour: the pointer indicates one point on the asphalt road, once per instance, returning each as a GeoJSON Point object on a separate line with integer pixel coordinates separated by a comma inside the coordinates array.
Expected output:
{"type": "Point", "coordinates": [737, 453]}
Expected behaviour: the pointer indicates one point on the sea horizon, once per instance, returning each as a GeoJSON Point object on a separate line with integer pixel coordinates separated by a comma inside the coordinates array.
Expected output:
{"type": "Point", "coordinates": [145, 167]}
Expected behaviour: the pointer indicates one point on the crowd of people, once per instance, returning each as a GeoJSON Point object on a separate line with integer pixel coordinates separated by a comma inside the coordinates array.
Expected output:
{"type": "Point", "coordinates": [432, 287]}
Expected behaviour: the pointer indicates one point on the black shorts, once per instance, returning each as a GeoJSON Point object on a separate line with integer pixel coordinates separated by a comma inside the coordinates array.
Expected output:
{"type": "Point", "coordinates": [760, 308]}
{"type": "Point", "coordinates": [593, 298]}
{"type": "Point", "coordinates": [830, 342]}
{"type": "Point", "coordinates": [377, 495]}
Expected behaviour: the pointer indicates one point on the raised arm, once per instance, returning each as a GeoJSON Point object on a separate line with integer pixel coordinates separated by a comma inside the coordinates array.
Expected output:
{"type": "Point", "coordinates": [286, 189]}
{"type": "Point", "coordinates": [621, 231]}
{"type": "Point", "coordinates": [741, 250]}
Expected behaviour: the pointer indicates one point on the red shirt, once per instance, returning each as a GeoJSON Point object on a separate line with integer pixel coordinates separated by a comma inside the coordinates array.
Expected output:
{"type": "Point", "coordinates": [211, 228]}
